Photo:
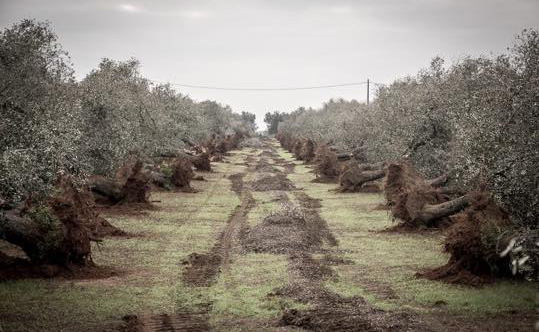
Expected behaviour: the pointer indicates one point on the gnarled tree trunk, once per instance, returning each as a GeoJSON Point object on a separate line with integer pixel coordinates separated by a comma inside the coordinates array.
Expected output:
{"type": "Point", "coordinates": [352, 179]}
{"type": "Point", "coordinates": [431, 212]}
{"type": "Point", "coordinates": [415, 201]}
{"type": "Point", "coordinates": [131, 186]}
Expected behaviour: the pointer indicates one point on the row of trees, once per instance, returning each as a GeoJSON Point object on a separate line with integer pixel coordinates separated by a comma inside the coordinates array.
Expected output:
{"type": "Point", "coordinates": [51, 124]}
{"type": "Point", "coordinates": [272, 120]}
{"type": "Point", "coordinates": [476, 120]}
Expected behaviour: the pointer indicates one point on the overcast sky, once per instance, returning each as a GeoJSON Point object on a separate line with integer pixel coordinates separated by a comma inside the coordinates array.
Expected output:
{"type": "Point", "coordinates": [277, 43]}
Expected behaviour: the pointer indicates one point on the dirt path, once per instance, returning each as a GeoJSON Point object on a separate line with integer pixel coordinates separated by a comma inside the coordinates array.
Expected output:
{"type": "Point", "coordinates": [202, 269]}
{"type": "Point", "coordinates": [308, 294]}
{"type": "Point", "coordinates": [261, 247]}
{"type": "Point", "coordinates": [328, 311]}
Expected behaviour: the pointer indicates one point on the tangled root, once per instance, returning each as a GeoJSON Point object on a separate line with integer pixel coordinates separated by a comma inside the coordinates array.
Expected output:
{"type": "Point", "coordinates": [182, 174]}
{"type": "Point", "coordinates": [472, 242]}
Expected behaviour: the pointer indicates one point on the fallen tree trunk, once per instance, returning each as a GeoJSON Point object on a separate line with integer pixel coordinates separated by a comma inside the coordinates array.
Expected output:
{"type": "Point", "coordinates": [436, 182]}
{"type": "Point", "coordinates": [131, 186]}
{"type": "Point", "coordinates": [473, 260]}
{"type": "Point", "coordinates": [415, 201]}
{"type": "Point", "coordinates": [449, 191]}
{"type": "Point", "coordinates": [431, 212]}
{"type": "Point", "coordinates": [371, 167]}
{"type": "Point", "coordinates": [55, 231]}
{"type": "Point", "coordinates": [22, 232]}
{"type": "Point", "coordinates": [352, 179]}
{"type": "Point", "coordinates": [64, 244]}
{"type": "Point", "coordinates": [107, 188]}
{"type": "Point", "coordinates": [344, 156]}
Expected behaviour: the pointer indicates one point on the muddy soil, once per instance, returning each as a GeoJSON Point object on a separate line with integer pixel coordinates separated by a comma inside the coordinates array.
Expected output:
{"type": "Point", "coordinates": [184, 320]}
{"type": "Point", "coordinates": [288, 231]}
{"type": "Point", "coordinates": [297, 230]}
{"type": "Point", "coordinates": [202, 269]}
{"type": "Point", "coordinates": [306, 201]}
{"type": "Point", "coordinates": [272, 182]}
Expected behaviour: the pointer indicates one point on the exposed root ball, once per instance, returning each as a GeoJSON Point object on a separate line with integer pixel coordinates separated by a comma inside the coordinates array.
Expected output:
{"type": "Point", "coordinates": [73, 210]}
{"type": "Point", "coordinates": [182, 174]}
{"type": "Point", "coordinates": [326, 164]}
{"type": "Point", "coordinates": [407, 194]}
{"type": "Point", "coordinates": [221, 147]}
{"type": "Point", "coordinates": [308, 151]}
{"type": "Point", "coordinates": [354, 179]}
{"type": "Point", "coordinates": [298, 145]}
{"type": "Point", "coordinates": [472, 241]}
{"type": "Point", "coordinates": [136, 188]}
{"type": "Point", "coordinates": [131, 186]}
{"type": "Point", "coordinates": [202, 162]}
{"type": "Point", "coordinates": [56, 231]}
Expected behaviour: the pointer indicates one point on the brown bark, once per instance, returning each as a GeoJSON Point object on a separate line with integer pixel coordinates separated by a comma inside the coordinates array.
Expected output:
{"type": "Point", "coordinates": [353, 178]}
{"type": "Point", "coordinates": [371, 167]}
{"type": "Point", "coordinates": [21, 232]}
{"type": "Point", "coordinates": [202, 161]}
{"type": "Point", "coordinates": [68, 245]}
{"type": "Point", "coordinates": [415, 201]}
{"type": "Point", "coordinates": [131, 186]}
{"type": "Point", "coordinates": [436, 182]}
{"type": "Point", "coordinates": [107, 188]}
{"type": "Point", "coordinates": [343, 156]}
{"type": "Point", "coordinates": [431, 212]}
{"type": "Point", "coordinates": [182, 174]}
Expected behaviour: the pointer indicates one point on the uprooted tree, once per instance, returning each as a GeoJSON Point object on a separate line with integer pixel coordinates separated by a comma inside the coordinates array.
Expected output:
{"type": "Point", "coordinates": [53, 126]}
{"type": "Point", "coordinates": [415, 201]}
{"type": "Point", "coordinates": [57, 231]}
{"type": "Point", "coordinates": [474, 241]}
{"type": "Point", "coordinates": [476, 120]}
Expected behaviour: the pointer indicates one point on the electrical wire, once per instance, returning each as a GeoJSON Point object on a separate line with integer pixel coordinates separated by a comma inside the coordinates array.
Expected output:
{"type": "Point", "coordinates": [208, 87]}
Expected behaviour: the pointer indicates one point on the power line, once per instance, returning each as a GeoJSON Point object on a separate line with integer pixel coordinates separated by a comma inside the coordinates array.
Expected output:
{"type": "Point", "coordinates": [209, 87]}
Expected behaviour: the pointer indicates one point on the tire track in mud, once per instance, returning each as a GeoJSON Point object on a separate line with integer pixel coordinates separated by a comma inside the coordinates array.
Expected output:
{"type": "Point", "coordinates": [187, 321]}
{"type": "Point", "coordinates": [201, 270]}
{"type": "Point", "coordinates": [329, 311]}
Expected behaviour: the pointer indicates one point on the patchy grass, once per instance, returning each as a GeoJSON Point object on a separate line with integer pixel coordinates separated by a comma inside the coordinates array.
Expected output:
{"type": "Point", "coordinates": [385, 263]}
{"type": "Point", "coordinates": [263, 207]}
{"type": "Point", "coordinates": [382, 272]}
{"type": "Point", "coordinates": [149, 264]}
{"type": "Point", "coordinates": [242, 291]}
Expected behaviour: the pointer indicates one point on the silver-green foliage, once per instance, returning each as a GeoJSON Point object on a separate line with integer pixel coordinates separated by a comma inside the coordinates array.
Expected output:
{"type": "Point", "coordinates": [477, 119]}
{"type": "Point", "coordinates": [40, 123]}
{"type": "Point", "coordinates": [51, 124]}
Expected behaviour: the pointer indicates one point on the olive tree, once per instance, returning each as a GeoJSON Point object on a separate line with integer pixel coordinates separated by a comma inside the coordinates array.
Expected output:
{"type": "Point", "coordinates": [40, 115]}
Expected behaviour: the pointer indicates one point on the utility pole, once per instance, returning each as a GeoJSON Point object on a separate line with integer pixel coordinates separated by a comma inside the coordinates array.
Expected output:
{"type": "Point", "coordinates": [368, 83]}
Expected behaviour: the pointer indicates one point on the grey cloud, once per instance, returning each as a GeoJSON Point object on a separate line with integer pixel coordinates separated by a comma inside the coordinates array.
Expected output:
{"type": "Point", "coordinates": [277, 42]}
